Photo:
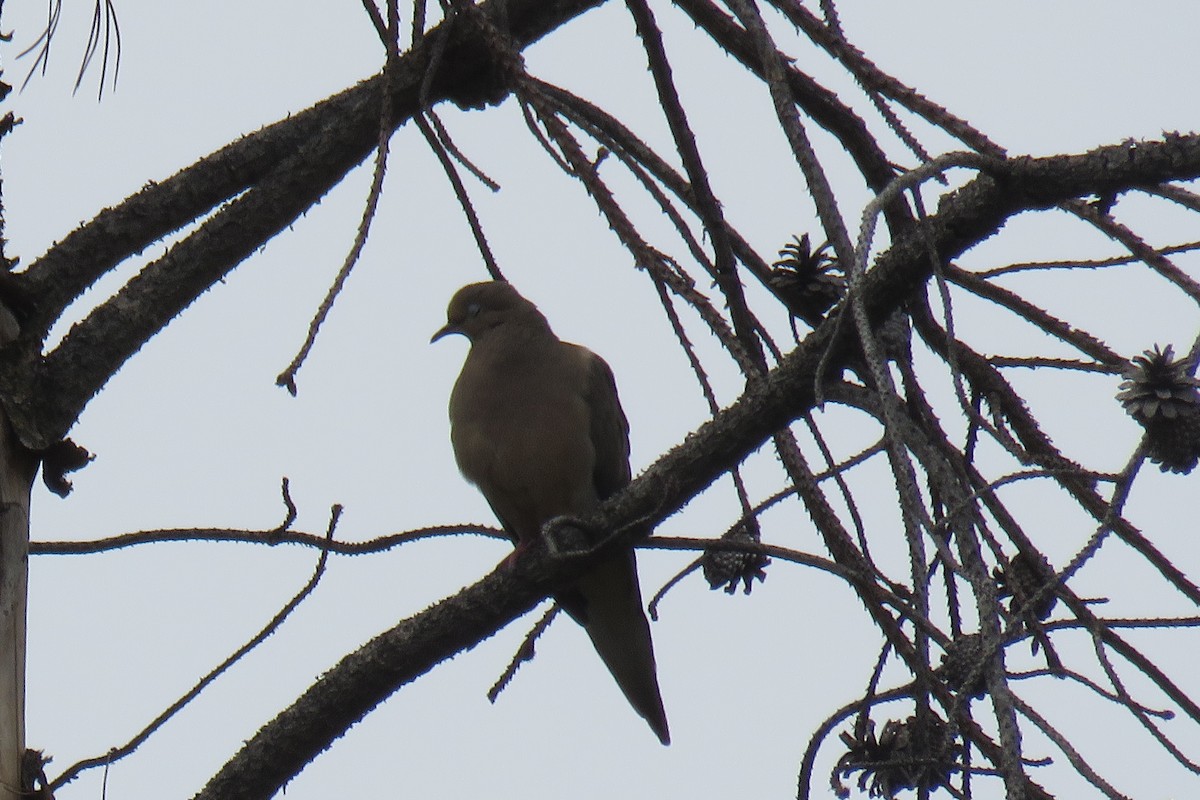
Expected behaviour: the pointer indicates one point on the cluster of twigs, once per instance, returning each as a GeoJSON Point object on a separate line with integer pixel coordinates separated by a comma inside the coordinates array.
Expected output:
{"type": "Point", "coordinates": [978, 580]}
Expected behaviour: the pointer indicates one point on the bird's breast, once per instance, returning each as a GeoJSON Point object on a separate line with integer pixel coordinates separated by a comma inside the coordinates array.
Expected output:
{"type": "Point", "coordinates": [526, 447]}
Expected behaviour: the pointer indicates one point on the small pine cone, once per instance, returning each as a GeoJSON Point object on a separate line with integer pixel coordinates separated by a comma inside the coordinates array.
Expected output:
{"type": "Point", "coordinates": [962, 668]}
{"type": "Point", "coordinates": [728, 568]}
{"type": "Point", "coordinates": [1161, 394]}
{"type": "Point", "coordinates": [1024, 578]}
{"type": "Point", "coordinates": [1156, 385]}
{"type": "Point", "coordinates": [906, 755]}
{"type": "Point", "coordinates": [1174, 444]}
{"type": "Point", "coordinates": [807, 280]}
{"type": "Point", "coordinates": [925, 757]}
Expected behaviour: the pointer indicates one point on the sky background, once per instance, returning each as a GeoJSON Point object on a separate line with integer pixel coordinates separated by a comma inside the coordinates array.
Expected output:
{"type": "Point", "coordinates": [193, 431]}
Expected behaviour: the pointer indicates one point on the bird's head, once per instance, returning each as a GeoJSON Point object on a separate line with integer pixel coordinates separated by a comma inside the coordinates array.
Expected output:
{"type": "Point", "coordinates": [479, 307]}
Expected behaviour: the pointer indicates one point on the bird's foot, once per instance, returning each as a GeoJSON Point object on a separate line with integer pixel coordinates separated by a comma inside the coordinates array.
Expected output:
{"type": "Point", "coordinates": [569, 536]}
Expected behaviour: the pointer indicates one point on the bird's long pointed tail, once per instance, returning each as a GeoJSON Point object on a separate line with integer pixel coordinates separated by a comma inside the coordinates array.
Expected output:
{"type": "Point", "coordinates": [617, 625]}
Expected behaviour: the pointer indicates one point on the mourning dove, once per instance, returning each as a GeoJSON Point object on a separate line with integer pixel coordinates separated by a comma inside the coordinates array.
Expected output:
{"type": "Point", "coordinates": [536, 425]}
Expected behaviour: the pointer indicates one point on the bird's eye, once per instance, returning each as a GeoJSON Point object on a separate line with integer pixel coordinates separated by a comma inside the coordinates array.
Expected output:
{"type": "Point", "coordinates": [473, 310]}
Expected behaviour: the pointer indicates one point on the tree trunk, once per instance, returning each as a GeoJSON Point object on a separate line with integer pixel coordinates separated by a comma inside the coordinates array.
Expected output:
{"type": "Point", "coordinates": [17, 469]}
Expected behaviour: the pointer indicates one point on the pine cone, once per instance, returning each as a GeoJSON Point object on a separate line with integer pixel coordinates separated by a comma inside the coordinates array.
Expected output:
{"type": "Point", "coordinates": [905, 756]}
{"type": "Point", "coordinates": [807, 280]}
{"type": "Point", "coordinates": [728, 568]}
{"type": "Point", "coordinates": [1023, 579]}
{"type": "Point", "coordinates": [1161, 394]}
{"type": "Point", "coordinates": [962, 667]}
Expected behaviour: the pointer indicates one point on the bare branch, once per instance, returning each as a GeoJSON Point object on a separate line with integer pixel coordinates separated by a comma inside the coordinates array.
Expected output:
{"type": "Point", "coordinates": [117, 753]}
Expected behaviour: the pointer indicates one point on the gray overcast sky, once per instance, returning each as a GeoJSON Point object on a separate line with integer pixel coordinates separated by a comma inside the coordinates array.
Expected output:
{"type": "Point", "coordinates": [193, 432]}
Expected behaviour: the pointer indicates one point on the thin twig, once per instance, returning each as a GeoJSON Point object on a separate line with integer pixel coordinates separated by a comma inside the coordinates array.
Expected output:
{"type": "Point", "coordinates": [287, 378]}
{"type": "Point", "coordinates": [1077, 761]}
{"type": "Point", "coordinates": [708, 208]}
{"type": "Point", "coordinates": [524, 653]}
{"type": "Point", "coordinates": [1084, 264]}
{"type": "Point", "coordinates": [133, 744]}
{"type": "Point", "coordinates": [381, 27]}
{"type": "Point", "coordinates": [270, 537]}
{"type": "Point", "coordinates": [438, 145]}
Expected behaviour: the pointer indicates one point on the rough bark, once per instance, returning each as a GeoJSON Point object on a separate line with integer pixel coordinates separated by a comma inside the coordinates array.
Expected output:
{"type": "Point", "coordinates": [16, 478]}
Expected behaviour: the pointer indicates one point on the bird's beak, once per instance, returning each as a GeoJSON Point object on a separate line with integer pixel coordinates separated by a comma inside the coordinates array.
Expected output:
{"type": "Point", "coordinates": [445, 330]}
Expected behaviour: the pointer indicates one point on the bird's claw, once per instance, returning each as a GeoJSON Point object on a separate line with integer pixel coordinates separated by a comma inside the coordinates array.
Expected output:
{"type": "Point", "coordinates": [567, 536]}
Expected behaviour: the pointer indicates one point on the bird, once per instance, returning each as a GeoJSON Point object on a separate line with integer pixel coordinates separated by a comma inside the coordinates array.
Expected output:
{"type": "Point", "coordinates": [537, 427]}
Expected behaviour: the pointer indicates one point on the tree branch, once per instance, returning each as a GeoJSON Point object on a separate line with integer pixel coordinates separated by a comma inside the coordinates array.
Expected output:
{"type": "Point", "coordinates": [365, 678]}
{"type": "Point", "coordinates": [280, 173]}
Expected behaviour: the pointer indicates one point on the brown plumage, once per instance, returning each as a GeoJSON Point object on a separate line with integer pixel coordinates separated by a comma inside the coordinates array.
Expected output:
{"type": "Point", "coordinates": [536, 425]}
